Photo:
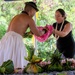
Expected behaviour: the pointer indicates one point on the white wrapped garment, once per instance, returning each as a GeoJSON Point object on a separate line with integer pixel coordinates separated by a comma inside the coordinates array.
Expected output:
{"type": "Point", "coordinates": [13, 48]}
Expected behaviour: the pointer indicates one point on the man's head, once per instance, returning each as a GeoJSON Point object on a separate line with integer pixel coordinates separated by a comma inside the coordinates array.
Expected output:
{"type": "Point", "coordinates": [31, 8]}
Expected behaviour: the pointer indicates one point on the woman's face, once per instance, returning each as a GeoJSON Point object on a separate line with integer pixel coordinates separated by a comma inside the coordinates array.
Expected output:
{"type": "Point", "coordinates": [58, 17]}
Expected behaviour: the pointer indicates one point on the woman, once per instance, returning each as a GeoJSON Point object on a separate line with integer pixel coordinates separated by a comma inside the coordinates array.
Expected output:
{"type": "Point", "coordinates": [63, 34]}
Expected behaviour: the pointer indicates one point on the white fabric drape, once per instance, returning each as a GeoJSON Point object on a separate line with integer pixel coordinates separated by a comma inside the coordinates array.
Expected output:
{"type": "Point", "coordinates": [13, 48]}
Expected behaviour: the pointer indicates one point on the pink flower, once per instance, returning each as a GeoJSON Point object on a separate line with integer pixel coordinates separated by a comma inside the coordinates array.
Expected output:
{"type": "Point", "coordinates": [63, 61]}
{"type": "Point", "coordinates": [43, 63]}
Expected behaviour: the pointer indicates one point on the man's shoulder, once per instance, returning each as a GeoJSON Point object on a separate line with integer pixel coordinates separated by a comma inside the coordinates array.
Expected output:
{"type": "Point", "coordinates": [24, 16]}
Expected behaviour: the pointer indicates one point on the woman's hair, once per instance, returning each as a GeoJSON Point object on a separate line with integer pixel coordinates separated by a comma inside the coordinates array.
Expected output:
{"type": "Point", "coordinates": [62, 12]}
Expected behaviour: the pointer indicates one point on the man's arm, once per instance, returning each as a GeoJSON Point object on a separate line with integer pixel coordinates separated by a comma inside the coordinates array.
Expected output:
{"type": "Point", "coordinates": [34, 29]}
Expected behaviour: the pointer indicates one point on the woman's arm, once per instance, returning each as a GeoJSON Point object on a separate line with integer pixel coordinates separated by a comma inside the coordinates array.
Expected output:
{"type": "Point", "coordinates": [64, 32]}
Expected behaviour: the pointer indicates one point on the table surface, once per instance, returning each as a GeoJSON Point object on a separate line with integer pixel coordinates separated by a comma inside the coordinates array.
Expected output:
{"type": "Point", "coordinates": [51, 73]}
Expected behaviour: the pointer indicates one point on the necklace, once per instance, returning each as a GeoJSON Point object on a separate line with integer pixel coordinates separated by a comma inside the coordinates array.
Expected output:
{"type": "Point", "coordinates": [56, 36]}
{"type": "Point", "coordinates": [24, 12]}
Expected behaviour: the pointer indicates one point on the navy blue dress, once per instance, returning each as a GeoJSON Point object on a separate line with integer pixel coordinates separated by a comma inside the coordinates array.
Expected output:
{"type": "Point", "coordinates": [65, 44]}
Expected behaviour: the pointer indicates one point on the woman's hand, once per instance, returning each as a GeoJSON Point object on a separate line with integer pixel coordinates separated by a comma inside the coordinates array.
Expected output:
{"type": "Point", "coordinates": [53, 31]}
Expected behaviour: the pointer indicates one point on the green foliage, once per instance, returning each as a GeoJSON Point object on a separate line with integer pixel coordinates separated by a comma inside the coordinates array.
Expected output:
{"type": "Point", "coordinates": [55, 62]}
{"type": "Point", "coordinates": [30, 50]}
{"type": "Point", "coordinates": [2, 30]}
{"type": "Point", "coordinates": [28, 35]}
{"type": "Point", "coordinates": [46, 49]}
{"type": "Point", "coordinates": [67, 66]}
{"type": "Point", "coordinates": [7, 67]}
{"type": "Point", "coordinates": [55, 67]}
{"type": "Point", "coordinates": [56, 58]}
{"type": "Point", "coordinates": [32, 66]}
{"type": "Point", "coordinates": [31, 57]}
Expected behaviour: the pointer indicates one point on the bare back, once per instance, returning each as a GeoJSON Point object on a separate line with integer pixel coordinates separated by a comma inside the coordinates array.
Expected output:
{"type": "Point", "coordinates": [21, 22]}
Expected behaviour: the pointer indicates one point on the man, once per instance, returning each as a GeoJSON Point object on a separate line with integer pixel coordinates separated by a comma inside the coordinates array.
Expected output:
{"type": "Point", "coordinates": [11, 45]}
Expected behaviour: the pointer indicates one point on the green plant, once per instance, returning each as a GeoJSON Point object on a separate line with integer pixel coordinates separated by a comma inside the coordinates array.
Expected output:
{"type": "Point", "coordinates": [32, 66]}
{"type": "Point", "coordinates": [2, 31]}
{"type": "Point", "coordinates": [7, 67]}
{"type": "Point", "coordinates": [55, 62]}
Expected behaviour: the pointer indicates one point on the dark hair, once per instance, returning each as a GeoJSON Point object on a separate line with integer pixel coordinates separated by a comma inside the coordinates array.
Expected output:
{"type": "Point", "coordinates": [32, 4]}
{"type": "Point", "coordinates": [62, 12]}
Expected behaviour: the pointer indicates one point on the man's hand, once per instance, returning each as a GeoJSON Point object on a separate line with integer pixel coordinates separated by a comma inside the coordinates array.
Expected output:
{"type": "Point", "coordinates": [45, 29]}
